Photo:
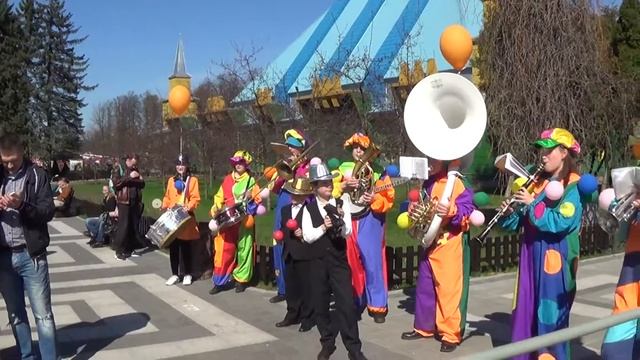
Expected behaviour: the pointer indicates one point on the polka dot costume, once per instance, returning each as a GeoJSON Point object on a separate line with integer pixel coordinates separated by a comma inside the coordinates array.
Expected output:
{"type": "Point", "coordinates": [546, 285]}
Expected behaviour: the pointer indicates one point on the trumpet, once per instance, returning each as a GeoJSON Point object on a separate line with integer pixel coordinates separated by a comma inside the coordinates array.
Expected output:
{"type": "Point", "coordinates": [510, 202]}
{"type": "Point", "coordinates": [286, 169]}
{"type": "Point", "coordinates": [626, 186]}
{"type": "Point", "coordinates": [622, 211]}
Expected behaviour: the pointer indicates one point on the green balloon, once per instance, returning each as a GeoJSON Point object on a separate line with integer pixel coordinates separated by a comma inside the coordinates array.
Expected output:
{"type": "Point", "coordinates": [481, 199]}
{"type": "Point", "coordinates": [333, 164]}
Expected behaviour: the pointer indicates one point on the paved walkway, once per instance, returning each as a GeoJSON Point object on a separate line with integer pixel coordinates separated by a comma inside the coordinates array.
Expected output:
{"type": "Point", "coordinates": [107, 309]}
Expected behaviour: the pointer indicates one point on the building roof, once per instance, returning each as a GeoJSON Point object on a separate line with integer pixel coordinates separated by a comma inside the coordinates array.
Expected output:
{"type": "Point", "coordinates": [365, 41]}
{"type": "Point", "coordinates": [179, 66]}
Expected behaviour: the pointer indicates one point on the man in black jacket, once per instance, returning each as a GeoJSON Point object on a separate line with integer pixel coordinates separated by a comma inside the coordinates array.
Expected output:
{"type": "Point", "coordinates": [128, 185]}
{"type": "Point", "coordinates": [26, 206]}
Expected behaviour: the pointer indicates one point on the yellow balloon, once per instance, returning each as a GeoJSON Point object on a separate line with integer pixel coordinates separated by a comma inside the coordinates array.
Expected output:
{"type": "Point", "coordinates": [403, 220]}
{"type": "Point", "coordinates": [517, 184]}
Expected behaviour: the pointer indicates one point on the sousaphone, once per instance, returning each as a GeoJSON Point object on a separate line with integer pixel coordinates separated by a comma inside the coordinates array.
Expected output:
{"type": "Point", "coordinates": [445, 118]}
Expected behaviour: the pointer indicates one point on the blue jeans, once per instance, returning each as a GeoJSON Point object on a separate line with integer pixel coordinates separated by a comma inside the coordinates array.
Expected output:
{"type": "Point", "coordinates": [95, 226]}
{"type": "Point", "coordinates": [19, 272]}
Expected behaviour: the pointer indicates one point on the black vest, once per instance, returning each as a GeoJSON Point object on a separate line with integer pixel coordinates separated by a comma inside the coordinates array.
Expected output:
{"type": "Point", "coordinates": [326, 243]}
{"type": "Point", "coordinates": [297, 248]}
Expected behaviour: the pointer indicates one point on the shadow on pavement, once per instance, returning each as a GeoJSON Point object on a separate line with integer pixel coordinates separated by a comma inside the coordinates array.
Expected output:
{"type": "Point", "coordinates": [86, 339]}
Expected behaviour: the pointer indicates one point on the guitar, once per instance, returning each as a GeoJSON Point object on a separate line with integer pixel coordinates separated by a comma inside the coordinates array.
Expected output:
{"type": "Point", "coordinates": [359, 210]}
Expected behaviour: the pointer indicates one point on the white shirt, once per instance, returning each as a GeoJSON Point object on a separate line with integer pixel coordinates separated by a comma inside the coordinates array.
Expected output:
{"type": "Point", "coordinates": [310, 233]}
{"type": "Point", "coordinates": [295, 209]}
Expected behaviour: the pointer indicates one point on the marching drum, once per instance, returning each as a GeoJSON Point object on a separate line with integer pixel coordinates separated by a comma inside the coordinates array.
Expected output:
{"type": "Point", "coordinates": [164, 230]}
{"type": "Point", "coordinates": [230, 215]}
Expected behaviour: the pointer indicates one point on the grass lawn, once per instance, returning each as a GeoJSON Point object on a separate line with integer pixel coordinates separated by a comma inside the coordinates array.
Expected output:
{"type": "Point", "coordinates": [154, 189]}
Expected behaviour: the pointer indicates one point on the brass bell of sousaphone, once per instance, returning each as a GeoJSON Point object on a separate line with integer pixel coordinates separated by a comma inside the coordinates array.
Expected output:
{"type": "Point", "coordinates": [445, 117]}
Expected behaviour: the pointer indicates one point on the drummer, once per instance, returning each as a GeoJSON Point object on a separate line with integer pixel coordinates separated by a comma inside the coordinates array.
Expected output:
{"type": "Point", "coordinates": [233, 245]}
{"type": "Point", "coordinates": [182, 190]}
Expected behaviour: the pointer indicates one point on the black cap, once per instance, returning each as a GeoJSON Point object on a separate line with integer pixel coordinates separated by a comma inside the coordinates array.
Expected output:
{"type": "Point", "coordinates": [182, 160]}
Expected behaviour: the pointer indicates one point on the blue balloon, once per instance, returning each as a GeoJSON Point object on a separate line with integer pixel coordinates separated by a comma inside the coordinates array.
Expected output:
{"type": "Point", "coordinates": [179, 185]}
{"type": "Point", "coordinates": [587, 184]}
{"type": "Point", "coordinates": [392, 170]}
{"type": "Point", "coordinates": [404, 206]}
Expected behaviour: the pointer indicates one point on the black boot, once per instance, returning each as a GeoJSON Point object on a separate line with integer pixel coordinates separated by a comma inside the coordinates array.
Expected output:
{"type": "Point", "coordinates": [276, 299]}
{"type": "Point", "coordinates": [447, 347]}
{"type": "Point", "coordinates": [214, 290]}
{"type": "Point", "coordinates": [241, 287]}
{"type": "Point", "coordinates": [326, 352]}
{"type": "Point", "coordinates": [412, 335]}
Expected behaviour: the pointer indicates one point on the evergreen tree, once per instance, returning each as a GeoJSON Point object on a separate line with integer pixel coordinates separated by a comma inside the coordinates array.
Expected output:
{"type": "Point", "coordinates": [58, 75]}
{"type": "Point", "coordinates": [626, 41]}
{"type": "Point", "coordinates": [14, 92]}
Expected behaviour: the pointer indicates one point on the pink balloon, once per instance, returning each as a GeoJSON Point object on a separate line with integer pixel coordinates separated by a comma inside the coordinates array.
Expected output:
{"type": "Point", "coordinates": [554, 190]}
{"type": "Point", "coordinates": [261, 210]}
{"type": "Point", "coordinates": [315, 161]}
{"type": "Point", "coordinates": [605, 198]}
{"type": "Point", "coordinates": [476, 218]}
{"type": "Point", "coordinates": [264, 193]}
{"type": "Point", "coordinates": [213, 226]}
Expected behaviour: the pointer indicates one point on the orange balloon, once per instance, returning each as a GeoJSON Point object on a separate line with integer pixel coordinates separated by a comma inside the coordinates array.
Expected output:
{"type": "Point", "coordinates": [636, 151]}
{"type": "Point", "coordinates": [179, 99]}
{"type": "Point", "coordinates": [456, 46]}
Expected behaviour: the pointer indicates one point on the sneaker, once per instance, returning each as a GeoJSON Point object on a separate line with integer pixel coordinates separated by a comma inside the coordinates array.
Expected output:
{"type": "Point", "coordinates": [172, 280]}
{"type": "Point", "coordinates": [135, 254]}
{"type": "Point", "coordinates": [187, 280]}
{"type": "Point", "coordinates": [120, 257]}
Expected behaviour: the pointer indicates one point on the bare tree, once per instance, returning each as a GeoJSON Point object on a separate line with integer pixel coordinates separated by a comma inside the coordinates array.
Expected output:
{"type": "Point", "coordinates": [543, 65]}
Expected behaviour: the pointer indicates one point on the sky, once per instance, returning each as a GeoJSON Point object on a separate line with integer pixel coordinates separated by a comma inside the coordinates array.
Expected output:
{"type": "Point", "coordinates": [131, 44]}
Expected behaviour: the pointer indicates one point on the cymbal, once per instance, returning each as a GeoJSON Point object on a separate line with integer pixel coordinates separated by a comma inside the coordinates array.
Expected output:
{"type": "Point", "coordinates": [280, 149]}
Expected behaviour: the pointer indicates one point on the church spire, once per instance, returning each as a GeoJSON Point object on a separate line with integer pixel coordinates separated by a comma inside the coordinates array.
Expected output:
{"type": "Point", "coordinates": [179, 67]}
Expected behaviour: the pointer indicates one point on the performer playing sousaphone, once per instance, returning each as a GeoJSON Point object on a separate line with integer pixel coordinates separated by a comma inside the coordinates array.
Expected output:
{"type": "Point", "coordinates": [294, 146]}
{"type": "Point", "coordinates": [366, 244]}
{"type": "Point", "coordinates": [432, 123]}
{"type": "Point", "coordinates": [234, 248]}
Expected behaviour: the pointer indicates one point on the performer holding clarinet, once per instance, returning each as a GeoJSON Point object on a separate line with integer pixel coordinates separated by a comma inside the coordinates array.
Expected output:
{"type": "Point", "coordinates": [551, 217]}
{"type": "Point", "coordinates": [326, 222]}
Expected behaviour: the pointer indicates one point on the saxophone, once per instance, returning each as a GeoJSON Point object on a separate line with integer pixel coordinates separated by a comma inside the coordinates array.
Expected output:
{"type": "Point", "coordinates": [363, 173]}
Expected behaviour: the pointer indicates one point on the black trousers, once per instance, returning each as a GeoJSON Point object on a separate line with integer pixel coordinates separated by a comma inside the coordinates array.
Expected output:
{"type": "Point", "coordinates": [180, 257]}
{"type": "Point", "coordinates": [329, 274]}
{"type": "Point", "coordinates": [128, 234]}
{"type": "Point", "coordinates": [298, 290]}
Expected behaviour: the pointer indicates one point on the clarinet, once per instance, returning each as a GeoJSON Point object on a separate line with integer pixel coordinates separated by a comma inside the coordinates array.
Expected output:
{"type": "Point", "coordinates": [336, 220]}
{"type": "Point", "coordinates": [510, 202]}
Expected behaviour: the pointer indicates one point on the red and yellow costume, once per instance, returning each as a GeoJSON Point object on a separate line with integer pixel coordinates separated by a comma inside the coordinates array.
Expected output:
{"type": "Point", "coordinates": [234, 247]}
